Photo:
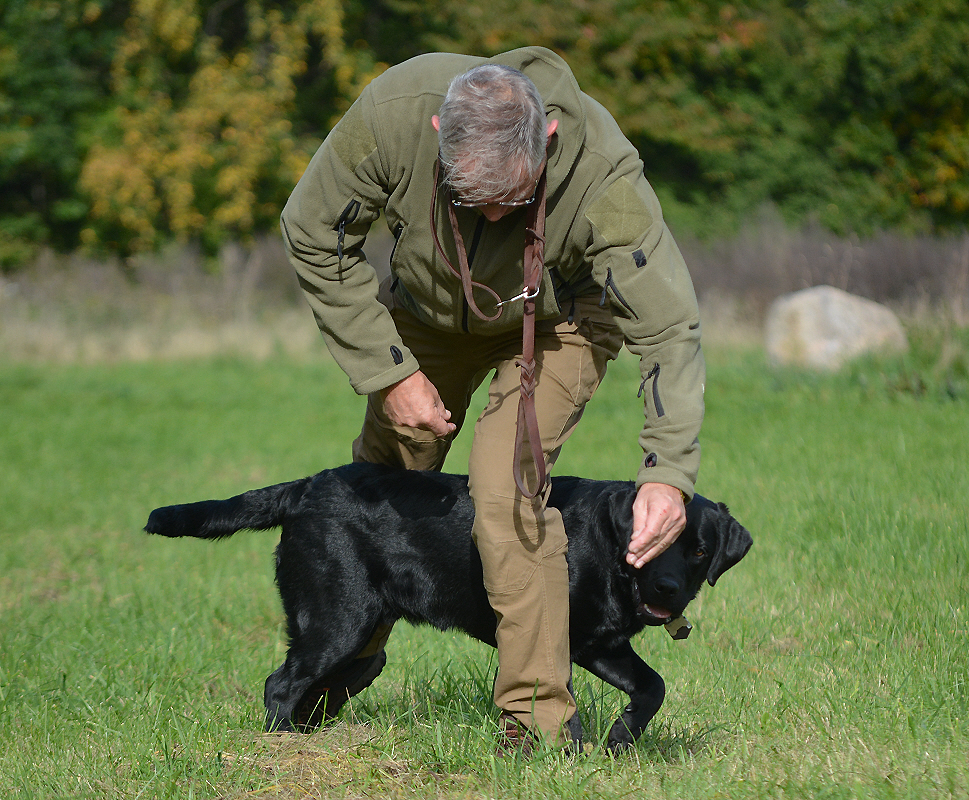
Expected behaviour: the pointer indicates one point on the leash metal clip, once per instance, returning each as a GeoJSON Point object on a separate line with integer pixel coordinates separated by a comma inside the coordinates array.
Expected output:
{"type": "Point", "coordinates": [524, 295]}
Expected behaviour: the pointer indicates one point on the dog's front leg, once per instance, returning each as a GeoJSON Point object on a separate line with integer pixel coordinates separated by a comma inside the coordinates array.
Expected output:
{"type": "Point", "coordinates": [623, 668]}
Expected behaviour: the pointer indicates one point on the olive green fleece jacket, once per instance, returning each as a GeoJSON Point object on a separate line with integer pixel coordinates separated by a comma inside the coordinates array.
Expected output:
{"type": "Point", "coordinates": [605, 235]}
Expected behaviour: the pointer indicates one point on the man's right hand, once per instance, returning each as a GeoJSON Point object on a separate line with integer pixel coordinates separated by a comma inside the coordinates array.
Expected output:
{"type": "Point", "coordinates": [415, 403]}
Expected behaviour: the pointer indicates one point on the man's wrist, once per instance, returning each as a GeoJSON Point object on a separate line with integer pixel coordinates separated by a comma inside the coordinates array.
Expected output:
{"type": "Point", "coordinates": [683, 495]}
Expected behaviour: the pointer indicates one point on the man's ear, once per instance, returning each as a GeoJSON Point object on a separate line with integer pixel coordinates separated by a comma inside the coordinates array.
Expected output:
{"type": "Point", "coordinates": [552, 127]}
{"type": "Point", "coordinates": [436, 122]}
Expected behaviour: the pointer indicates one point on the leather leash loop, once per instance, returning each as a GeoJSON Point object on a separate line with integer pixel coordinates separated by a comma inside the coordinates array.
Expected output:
{"type": "Point", "coordinates": [464, 273]}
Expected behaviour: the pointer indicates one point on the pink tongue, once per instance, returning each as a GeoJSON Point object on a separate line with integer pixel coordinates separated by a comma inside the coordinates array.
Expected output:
{"type": "Point", "coordinates": [658, 612]}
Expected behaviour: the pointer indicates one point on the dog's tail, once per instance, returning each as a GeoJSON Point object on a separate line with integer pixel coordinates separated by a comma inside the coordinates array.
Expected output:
{"type": "Point", "coordinates": [259, 510]}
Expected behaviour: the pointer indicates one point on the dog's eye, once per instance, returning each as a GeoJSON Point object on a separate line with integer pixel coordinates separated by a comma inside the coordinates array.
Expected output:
{"type": "Point", "coordinates": [700, 553]}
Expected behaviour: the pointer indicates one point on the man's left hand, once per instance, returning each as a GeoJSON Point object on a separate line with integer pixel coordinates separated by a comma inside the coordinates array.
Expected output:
{"type": "Point", "coordinates": [659, 516]}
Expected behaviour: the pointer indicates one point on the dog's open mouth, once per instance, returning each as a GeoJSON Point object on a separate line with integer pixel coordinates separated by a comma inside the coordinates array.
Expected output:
{"type": "Point", "coordinates": [651, 614]}
{"type": "Point", "coordinates": [656, 615]}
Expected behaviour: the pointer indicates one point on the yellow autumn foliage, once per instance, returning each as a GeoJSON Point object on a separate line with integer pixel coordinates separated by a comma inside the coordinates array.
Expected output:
{"type": "Point", "coordinates": [204, 145]}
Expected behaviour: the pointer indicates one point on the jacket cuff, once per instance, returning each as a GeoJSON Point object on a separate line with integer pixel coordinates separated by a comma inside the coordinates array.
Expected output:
{"type": "Point", "coordinates": [670, 477]}
{"type": "Point", "coordinates": [388, 377]}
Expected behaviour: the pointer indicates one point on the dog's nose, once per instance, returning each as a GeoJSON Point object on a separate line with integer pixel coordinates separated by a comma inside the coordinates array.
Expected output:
{"type": "Point", "coordinates": [666, 586]}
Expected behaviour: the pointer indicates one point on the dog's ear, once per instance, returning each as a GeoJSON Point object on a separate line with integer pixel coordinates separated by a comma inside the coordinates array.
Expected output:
{"type": "Point", "coordinates": [621, 514]}
{"type": "Point", "coordinates": [732, 542]}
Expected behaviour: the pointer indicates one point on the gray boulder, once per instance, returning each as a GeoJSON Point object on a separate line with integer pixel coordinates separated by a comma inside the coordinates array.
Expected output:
{"type": "Point", "coordinates": [824, 327]}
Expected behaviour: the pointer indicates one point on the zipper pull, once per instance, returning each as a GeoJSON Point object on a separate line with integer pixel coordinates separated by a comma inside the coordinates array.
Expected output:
{"type": "Point", "coordinates": [349, 215]}
{"type": "Point", "coordinates": [650, 374]}
{"type": "Point", "coordinates": [657, 403]}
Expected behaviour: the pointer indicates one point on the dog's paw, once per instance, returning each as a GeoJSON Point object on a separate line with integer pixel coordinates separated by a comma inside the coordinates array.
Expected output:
{"type": "Point", "coordinates": [278, 724]}
{"type": "Point", "coordinates": [620, 738]}
{"type": "Point", "coordinates": [627, 729]}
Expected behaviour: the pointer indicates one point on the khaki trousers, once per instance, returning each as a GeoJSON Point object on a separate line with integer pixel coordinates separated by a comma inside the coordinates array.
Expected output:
{"type": "Point", "coordinates": [522, 542]}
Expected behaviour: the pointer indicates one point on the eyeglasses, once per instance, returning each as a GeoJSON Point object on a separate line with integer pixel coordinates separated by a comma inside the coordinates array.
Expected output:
{"type": "Point", "coordinates": [459, 203]}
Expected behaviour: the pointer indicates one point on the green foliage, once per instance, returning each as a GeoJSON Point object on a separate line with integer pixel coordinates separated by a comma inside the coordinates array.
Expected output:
{"type": "Point", "coordinates": [853, 114]}
{"type": "Point", "coordinates": [128, 123]}
{"type": "Point", "coordinates": [891, 92]}
{"type": "Point", "coordinates": [201, 143]}
{"type": "Point", "coordinates": [54, 62]}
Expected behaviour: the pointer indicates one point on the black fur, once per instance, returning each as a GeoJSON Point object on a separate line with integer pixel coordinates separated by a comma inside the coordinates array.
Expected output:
{"type": "Point", "coordinates": [364, 545]}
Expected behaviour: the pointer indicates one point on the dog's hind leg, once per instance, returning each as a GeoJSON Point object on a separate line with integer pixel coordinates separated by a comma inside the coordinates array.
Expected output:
{"type": "Point", "coordinates": [318, 677]}
{"type": "Point", "coordinates": [623, 668]}
{"type": "Point", "coordinates": [324, 699]}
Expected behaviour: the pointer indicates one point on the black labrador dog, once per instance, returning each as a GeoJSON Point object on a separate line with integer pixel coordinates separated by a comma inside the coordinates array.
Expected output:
{"type": "Point", "coordinates": [364, 545]}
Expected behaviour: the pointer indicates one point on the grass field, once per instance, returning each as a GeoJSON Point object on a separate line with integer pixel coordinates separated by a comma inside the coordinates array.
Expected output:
{"type": "Point", "coordinates": [831, 663]}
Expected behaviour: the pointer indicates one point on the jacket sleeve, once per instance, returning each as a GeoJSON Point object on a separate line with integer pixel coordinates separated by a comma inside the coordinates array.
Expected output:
{"type": "Point", "coordinates": [324, 226]}
{"type": "Point", "coordinates": [644, 277]}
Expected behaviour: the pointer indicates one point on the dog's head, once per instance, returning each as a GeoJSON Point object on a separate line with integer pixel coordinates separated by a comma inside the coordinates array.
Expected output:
{"type": "Point", "coordinates": [710, 544]}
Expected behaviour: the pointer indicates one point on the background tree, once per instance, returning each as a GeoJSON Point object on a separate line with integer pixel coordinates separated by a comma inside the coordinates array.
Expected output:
{"type": "Point", "coordinates": [202, 143]}
{"type": "Point", "coordinates": [852, 114]}
{"type": "Point", "coordinates": [54, 78]}
{"type": "Point", "coordinates": [128, 123]}
{"type": "Point", "coordinates": [889, 94]}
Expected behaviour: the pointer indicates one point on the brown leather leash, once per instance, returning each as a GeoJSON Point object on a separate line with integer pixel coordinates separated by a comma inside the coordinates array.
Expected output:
{"type": "Point", "coordinates": [534, 260]}
{"type": "Point", "coordinates": [464, 274]}
{"type": "Point", "coordinates": [534, 266]}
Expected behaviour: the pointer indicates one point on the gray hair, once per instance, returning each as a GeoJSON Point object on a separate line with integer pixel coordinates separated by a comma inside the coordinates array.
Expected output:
{"type": "Point", "coordinates": [493, 131]}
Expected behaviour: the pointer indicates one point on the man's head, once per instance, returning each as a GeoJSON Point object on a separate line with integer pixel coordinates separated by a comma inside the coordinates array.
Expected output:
{"type": "Point", "coordinates": [492, 135]}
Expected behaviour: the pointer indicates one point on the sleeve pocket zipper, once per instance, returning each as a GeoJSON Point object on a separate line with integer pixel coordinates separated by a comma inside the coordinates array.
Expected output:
{"type": "Point", "coordinates": [349, 215]}
{"type": "Point", "coordinates": [657, 403]}
{"type": "Point", "coordinates": [611, 284]}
